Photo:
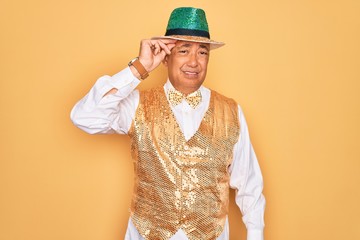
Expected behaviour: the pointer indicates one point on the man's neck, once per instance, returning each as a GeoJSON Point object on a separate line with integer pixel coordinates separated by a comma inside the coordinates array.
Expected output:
{"type": "Point", "coordinates": [183, 90]}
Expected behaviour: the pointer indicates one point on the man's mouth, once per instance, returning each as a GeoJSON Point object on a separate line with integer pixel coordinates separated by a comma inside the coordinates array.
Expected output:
{"type": "Point", "coordinates": [190, 74]}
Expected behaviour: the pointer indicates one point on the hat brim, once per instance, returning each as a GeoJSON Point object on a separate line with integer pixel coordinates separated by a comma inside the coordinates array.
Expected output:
{"type": "Point", "coordinates": [213, 44]}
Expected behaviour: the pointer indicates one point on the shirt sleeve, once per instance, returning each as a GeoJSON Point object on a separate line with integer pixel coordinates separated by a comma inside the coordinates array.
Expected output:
{"type": "Point", "coordinates": [113, 113]}
{"type": "Point", "coordinates": [246, 179]}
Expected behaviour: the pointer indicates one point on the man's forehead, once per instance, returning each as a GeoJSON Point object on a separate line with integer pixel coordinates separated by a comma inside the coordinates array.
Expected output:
{"type": "Point", "coordinates": [181, 43]}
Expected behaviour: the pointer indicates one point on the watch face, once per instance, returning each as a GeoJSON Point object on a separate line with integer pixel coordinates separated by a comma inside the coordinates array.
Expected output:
{"type": "Point", "coordinates": [132, 61]}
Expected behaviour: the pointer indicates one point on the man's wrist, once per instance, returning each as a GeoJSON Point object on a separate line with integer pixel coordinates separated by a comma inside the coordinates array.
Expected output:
{"type": "Point", "coordinates": [138, 69]}
{"type": "Point", "coordinates": [135, 72]}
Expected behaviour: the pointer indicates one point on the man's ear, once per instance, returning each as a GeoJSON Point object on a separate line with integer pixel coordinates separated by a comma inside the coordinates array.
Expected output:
{"type": "Point", "coordinates": [165, 60]}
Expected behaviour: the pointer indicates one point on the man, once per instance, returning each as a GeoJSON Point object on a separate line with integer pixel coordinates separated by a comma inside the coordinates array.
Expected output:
{"type": "Point", "coordinates": [189, 144]}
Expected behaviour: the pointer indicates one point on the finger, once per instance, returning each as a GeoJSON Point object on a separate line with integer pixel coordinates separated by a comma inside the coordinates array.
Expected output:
{"type": "Point", "coordinates": [158, 49]}
{"type": "Point", "coordinates": [155, 47]}
{"type": "Point", "coordinates": [171, 46]}
{"type": "Point", "coordinates": [146, 43]}
{"type": "Point", "coordinates": [146, 47]}
{"type": "Point", "coordinates": [161, 56]}
{"type": "Point", "coordinates": [165, 47]}
{"type": "Point", "coordinates": [167, 41]}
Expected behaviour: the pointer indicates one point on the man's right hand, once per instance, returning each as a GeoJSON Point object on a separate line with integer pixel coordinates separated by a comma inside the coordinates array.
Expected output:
{"type": "Point", "coordinates": [152, 52]}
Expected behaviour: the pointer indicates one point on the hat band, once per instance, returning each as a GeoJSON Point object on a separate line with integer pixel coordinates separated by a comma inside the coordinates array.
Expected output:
{"type": "Point", "coordinates": [187, 32]}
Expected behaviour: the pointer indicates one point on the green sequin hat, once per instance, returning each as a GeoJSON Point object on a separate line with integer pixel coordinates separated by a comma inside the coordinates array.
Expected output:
{"type": "Point", "coordinates": [189, 24]}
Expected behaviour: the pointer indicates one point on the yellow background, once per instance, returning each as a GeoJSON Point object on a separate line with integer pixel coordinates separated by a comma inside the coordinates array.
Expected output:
{"type": "Point", "coordinates": [294, 67]}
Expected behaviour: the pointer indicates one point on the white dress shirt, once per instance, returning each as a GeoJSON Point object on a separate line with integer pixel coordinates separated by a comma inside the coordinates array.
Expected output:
{"type": "Point", "coordinates": [114, 113]}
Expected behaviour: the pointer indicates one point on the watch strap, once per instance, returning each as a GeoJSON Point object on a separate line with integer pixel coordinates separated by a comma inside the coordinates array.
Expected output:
{"type": "Point", "coordinates": [139, 67]}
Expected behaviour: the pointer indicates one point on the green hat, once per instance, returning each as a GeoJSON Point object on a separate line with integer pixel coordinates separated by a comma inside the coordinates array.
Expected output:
{"type": "Point", "coordinates": [189, 24]}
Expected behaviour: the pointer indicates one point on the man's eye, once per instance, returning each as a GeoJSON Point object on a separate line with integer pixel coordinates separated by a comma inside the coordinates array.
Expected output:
{"type": "Point", "coordinates": [204, 53]}
{"type": "Point", "coordinates": [182, 51]}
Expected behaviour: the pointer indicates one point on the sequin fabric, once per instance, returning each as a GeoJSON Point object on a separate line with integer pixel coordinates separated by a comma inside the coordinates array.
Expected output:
{"type": "Point", "coordinates": [190, 18]}
{"type": "Point", "coordinates": [176, 97]}
{"type": "Point", "coordinates": [181, 184]}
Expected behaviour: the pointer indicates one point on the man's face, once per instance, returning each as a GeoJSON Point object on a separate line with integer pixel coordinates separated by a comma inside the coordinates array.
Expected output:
{"type": "Point", "coordinates": [187, 65]}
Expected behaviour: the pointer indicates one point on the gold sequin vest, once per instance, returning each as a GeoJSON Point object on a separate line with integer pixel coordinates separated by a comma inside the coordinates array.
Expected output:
{"type": "Point", "coordinates": [181, 184]}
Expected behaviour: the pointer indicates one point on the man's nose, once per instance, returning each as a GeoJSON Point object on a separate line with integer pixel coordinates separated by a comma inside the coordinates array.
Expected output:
{"type": "Point", "coordinates": [193, 60]}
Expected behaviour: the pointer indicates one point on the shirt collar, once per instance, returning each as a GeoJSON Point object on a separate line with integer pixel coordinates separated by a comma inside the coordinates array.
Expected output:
{"type": "Point", "coordinates": [168, 86]}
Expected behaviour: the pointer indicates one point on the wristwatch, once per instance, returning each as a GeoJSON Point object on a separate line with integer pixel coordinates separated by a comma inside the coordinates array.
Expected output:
{"type": "Point", "coordinates": [139, 67]}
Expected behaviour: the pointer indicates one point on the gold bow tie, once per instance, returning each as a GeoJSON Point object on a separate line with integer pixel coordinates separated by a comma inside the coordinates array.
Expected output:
{"type": "Point", "coordinates": [193, 99]}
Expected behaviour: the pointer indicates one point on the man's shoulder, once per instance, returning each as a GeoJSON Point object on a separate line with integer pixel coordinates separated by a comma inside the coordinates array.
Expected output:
{"type": "Point", "coordinates": [221, 97]}
{"type": "Point", "coordinates": [152, 95]}
{"type": "Point", "coordinates": [151, 92]}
